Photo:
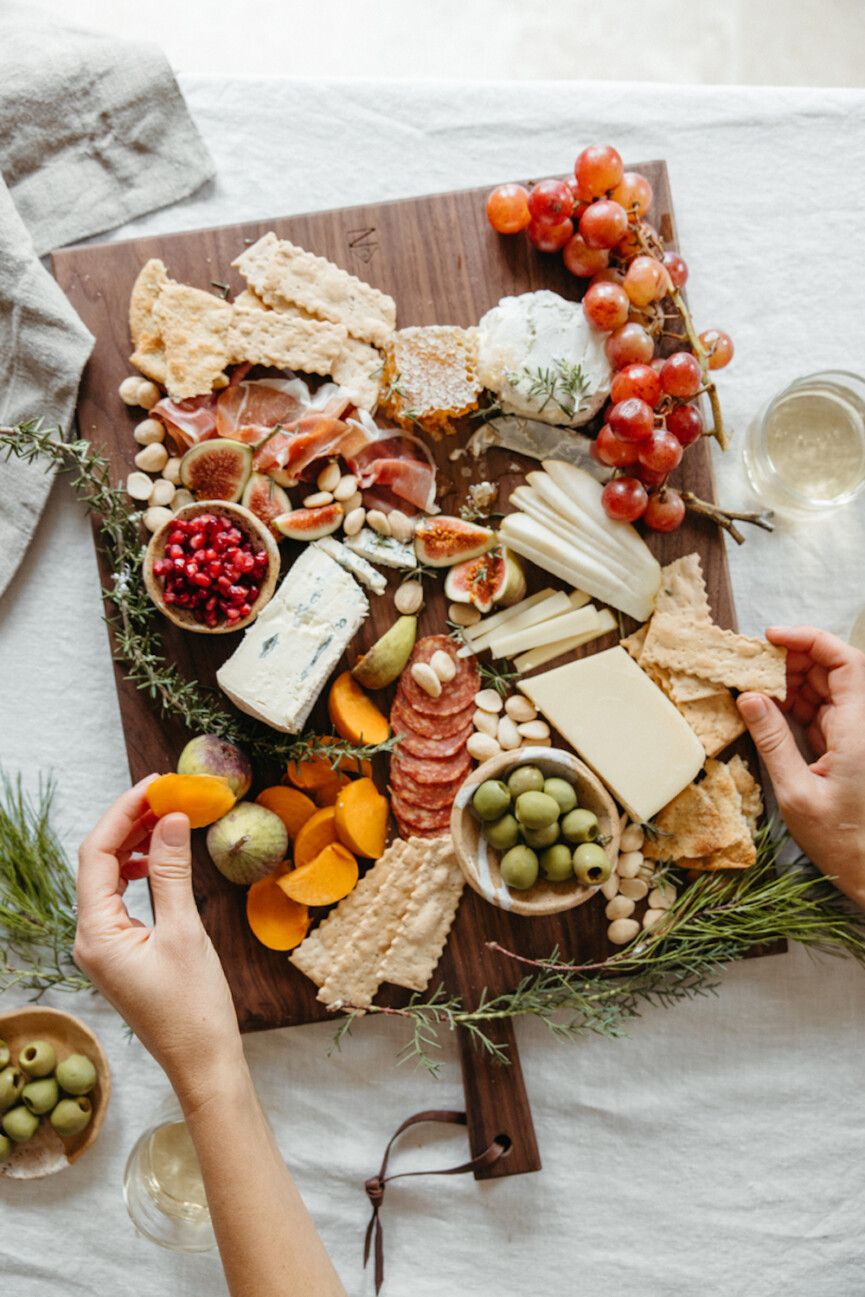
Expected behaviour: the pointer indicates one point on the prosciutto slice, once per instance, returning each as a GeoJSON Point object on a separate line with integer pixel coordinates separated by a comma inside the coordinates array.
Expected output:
{"type": "Point", "coordinates": [396, 464]}
{"type": "Point", "coordinates": [188, 422]}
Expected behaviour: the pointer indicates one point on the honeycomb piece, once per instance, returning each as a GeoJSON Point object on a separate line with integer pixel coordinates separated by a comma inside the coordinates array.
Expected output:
{"type": "Point", "coordinates": [430, 377]}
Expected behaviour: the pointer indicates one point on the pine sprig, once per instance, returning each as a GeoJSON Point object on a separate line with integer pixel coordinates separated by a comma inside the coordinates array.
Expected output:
{"type": "Point", "coordinates": [134, 619]}
{"type": "Point", "coordinates": [37, 897]}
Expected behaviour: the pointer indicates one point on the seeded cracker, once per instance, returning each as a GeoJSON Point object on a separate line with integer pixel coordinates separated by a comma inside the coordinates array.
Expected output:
{"type": "Point", "coordinates": [411, 958]}
{"type": "Point", "coordinates": [358, 368]}
{"type": "Point", "coordinates": [749, 791]}
{"type": "Point", "coordinates": [283, 339]}
{"type": "Point", "coordinates": [689, 825]}
{"type": "Point", "coordinates": [149, 353]}
{"type": "Point", "coordinates": [707, 651]}
{"type": "Point", "coordinates": [715, 721]}
{"type": "Point", "coordinates": [194, 327]}
{"type": "Point", "coordinates": [683, 590]}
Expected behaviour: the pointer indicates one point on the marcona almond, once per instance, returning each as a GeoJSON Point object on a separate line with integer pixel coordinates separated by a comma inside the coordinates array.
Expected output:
{"type": "Point", "coordinates": [621, 931]}
{"type": "Point", "coordinates": [661, 898]}
{"type": "Point", "coordinates": [171, 472]}
{"type": "Point", "coordinates": [353, 502]}
{"type": "Point", "coordinates": [148, 395]}
{"type": "Point", "coordinates": [443, 665]}
{"type": "Point", "coordinates": [329, 478]}
{"type": "Point", "coordinates": [489, 700]}
{"type": "Point", "coordinates": [181, 499]}
{"type": "Point", "coordinates": [409, 597]}
{"type": "Point", "coordinates": [620, 907]}
{"type": "Point", "coordinates": [652, 918]}
{"type": "Point", "coordinates": [424, 676]}
{"type": "Point", "coordinates": [148, 431]}
{"type": "Point", "coordinates": [139, 486]}
{"type": "Point", "coordinates": [378, 521]}
{"type": "Point", "coordinates": [463, 614]}
{"type": "Point", "coordinates": [163, 492]}
{"type": "Point", "coordinates": [508, 735]}
{"type": "Point", "coordinates": [128, 389]}
{"type": "Point", "coordinates": [520, 709]}
{"type": "Point", "coordinates": [156, 516]}
{"type": "Point", "coordinates": [632, 838]}
{"type": "Point", "coordinates": [534, 731]}
{"type": "Point", "coordinates": [610, 888]}
{"type": "Point", "coordinates": [634, 888]}
{"type": "Point", "coordinates": [401, 526]}
{"type": "Point", "coordinates": [353, 521]}
{"type": "Point", "coordinates": [345, 487]}
{"type": "Point", "coordinates": [153, 458]}
{"type": "Point", "coordinates": [486, 723]}
{"type": "Point", "coordinates": [629, 863]}
{"type": "Point", "coordinates": [482, 747]}
{"type": "Point", "coordinates": [317, 499]}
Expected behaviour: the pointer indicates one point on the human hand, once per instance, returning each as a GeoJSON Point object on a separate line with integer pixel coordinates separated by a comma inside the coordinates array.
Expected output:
{"type": "Point", "coordinates": [823, 804]}
{"type": "Point", "coordinates": [166, 981]}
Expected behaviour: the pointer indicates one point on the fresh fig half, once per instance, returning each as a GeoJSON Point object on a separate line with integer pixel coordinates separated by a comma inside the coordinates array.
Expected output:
{"type": "Point", "coordinates": [443, 540]}
{"type": "Point", "coordinates": [217, 470]}
{"type": "Point", "coordinates": [479, 581]}
{"type": "Point", "coordinates": [266, 500]}
{"type": "Point", "coordinates": [310, 524]}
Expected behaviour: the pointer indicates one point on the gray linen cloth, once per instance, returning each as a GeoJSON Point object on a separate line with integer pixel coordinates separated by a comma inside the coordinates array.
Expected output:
{"type": "Point", "coordinates": [93, 133]}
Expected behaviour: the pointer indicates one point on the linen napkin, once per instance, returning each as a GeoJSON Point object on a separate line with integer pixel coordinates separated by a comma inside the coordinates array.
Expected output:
{"type": "Point", "coordinates": [93, 133]}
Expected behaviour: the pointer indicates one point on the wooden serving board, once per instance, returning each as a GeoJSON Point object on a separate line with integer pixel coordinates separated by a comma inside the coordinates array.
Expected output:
{"type": "Point", "coordinates": [443, 264]}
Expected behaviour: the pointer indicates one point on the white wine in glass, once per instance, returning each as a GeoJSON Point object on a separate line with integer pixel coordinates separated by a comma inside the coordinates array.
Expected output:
{"type": "Point", "coordinates": [164, 1191]}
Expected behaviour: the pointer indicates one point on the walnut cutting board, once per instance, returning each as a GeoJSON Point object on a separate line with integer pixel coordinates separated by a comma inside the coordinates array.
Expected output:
{"type": "Point", "coordinates": [440, 260]}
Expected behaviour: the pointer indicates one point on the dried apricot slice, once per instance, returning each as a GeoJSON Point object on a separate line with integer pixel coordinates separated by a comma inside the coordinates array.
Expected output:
{"type": "Point", "coordinates": [204, 798]}
{"type": "Point", "coordinates": [318, 832]}
{"type": "Point", "coordinates": [293, 807]}
{"type": "Point", "coordinates": [326, 879]}
{"type": "Point", "coordinates": [275, 919]}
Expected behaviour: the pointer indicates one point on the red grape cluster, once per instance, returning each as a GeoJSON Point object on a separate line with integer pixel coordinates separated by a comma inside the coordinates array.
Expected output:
{"type": "Point", "coordinates": [596, 220]}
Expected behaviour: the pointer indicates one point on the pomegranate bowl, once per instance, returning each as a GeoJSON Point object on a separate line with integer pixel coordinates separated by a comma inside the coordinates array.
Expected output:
{"type": "Point", "coordinates": [212, 568]}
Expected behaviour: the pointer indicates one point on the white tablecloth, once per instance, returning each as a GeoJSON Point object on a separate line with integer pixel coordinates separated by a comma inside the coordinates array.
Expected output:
{"type": "Point", "coordinates": [718, 1150]}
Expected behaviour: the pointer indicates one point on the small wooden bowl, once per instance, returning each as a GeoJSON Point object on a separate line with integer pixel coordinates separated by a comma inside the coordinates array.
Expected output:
{"type": "Point", "coordinates": [251, 527]}
{"type": "Point", "coordinates": [47, 1153]}
{"type": "Point", "coordinates": [480, 862]}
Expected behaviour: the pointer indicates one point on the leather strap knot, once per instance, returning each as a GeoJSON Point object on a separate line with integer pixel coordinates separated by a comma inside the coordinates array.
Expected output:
{"type": "Point", "coordinates": [375, 1185]}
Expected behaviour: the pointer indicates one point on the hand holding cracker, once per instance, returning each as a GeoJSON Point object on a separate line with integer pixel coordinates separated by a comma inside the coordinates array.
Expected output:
{"type": "Point", "coordinates": [823, 804]}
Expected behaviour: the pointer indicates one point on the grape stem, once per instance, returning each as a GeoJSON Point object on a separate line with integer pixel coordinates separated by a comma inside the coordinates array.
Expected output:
{"type": "Point", "coordinates": [717, 431]}
{"type": "Point", "coordinates": [727, 518]}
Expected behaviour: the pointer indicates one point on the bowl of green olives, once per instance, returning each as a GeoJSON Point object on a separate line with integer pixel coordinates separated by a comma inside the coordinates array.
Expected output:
{"type": "Point", "coordinates": [535, 831]}
{"type": "Point", "coordinates": [54, 1089]}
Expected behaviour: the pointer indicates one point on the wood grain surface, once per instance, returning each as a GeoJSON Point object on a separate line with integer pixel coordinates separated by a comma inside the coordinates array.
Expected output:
{"type": "Point", "coordinates": [443, 264]}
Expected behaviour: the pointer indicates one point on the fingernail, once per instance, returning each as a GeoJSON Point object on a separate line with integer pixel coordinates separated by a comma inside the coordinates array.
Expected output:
{"type": "Point", "coordinates": [753, 707]}
{"type": "Point", "coordinates": [175, 830]}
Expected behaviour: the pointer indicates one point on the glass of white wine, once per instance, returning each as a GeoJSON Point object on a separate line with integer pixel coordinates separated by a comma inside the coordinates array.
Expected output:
{"type": "Point", "coordinates": [164, 1191]}
{"type": "Point", "coordinates": [805, 453]}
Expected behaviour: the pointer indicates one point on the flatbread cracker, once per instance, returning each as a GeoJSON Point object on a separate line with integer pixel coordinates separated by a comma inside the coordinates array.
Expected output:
{"type": "Point", "coordinates": [715, 721]}
{"type": "Point", "coordinates": [194, 327]}
{"type": "Point", "coordinates": [254, 260]}
{"type": "Point", "coordinates": [149, 353]}
{"type": "Point", "coordinates": [689, 825]}
{"type": "Point", "coordinates": [749, 790]}
{"type": "Point", "coordinates": [683, 591]}
{"type": "Point", "coordinates": [707, 651]}
{"type": "Point", "coordinates": [358, 367]}
{"type": "Point", "coordinates": [411, 958]}
{"type": "Point", "coordinates": [285, 340]}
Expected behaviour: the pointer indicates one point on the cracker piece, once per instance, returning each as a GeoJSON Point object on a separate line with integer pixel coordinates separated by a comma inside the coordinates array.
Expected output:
{"type": "Point", "coordinates": [194, 328]}
{"type": "Point", "coordinates": [250, 298]}
{"type": "Point", "coordinates": [678, 687]}
{"type": "Point", "coordinates": [715, 721]}
{"type": "Point", "coordinates": [416, 949]}
{"type": "Point", "coordinates": [149, 353]}
{"type": "Point", "coordinates": [316, 954]}
{"type": "Point", "coordinates": [749, 790]}
{"type": "Point", "coordinates": [736, 856]}
{"type": "Point", "coordinates": [254, 260]}
{"type": "Point", "coordinates": [738, 845]}
{"type": "Point", "coordinates": [634, 642]}
{"type": "Point", "coordinates": [432, 372]}
{"type": "Point", "coordinates": [354, 975]}
{"type": "Point", "coordinates": [683, 590]}
{"type": "Point", "coordinates": [358, 367]}
{"type": "Point", "coordinates": [689, 825]}
{"type": "Point", "coordinates": [302, 278]}
{"type": "Point", "coordinates": [283, 339]}
{"type": "Point", "coordinates": [707, 651]}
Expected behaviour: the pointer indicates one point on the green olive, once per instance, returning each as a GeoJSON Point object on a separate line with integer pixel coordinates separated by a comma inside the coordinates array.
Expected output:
{"type": "Point", "coordinates": [525, 779]}
{"type": "Point", "coordinates": [76, 1074]}
{"type": "Point", "coordinates": [592, 864]}
{"type": "Point", "coordinates": [519, 868]}
{"type": "Point", "coordinates": [564, 793]}
{"type": "Point", "coordinates": [5, 1054]}
{"type": "Point", "coordinates": [7, 1148]}
{"type": "Point", "coordinates": [538, 838]}
{"type": "Point", "coordinates": [12, 1082]}
{"type": "Point", "coordinates": [37, 1059]}
{"type": "Point", "coordinates": [580, 826]}
{"type": "Point", "coordinates": [491, 799]}
{"type": "Point", "coordinates": [556, 863]}
{"type": "Point", "coordinates": [503, 833]}
{"type": "Point", "coordinates": [536, 810]}
{"type": "Point", "coordinates": [71, 1116]}
{"type": "Point", "coordinates": [42, 1095]}
{"type": "Point", "coordinates": [20, 1124]}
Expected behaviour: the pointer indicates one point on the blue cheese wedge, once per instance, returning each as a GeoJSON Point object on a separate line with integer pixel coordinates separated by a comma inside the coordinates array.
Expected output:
{"type": "Point", "coordinates": [354, 563]}
{"type": "Point", "coordinates": [377, 548]}
{"type": "Point", "coordinates": [285, 657]}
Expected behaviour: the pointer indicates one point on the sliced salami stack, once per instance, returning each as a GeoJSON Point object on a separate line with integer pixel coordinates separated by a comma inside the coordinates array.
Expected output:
{"type": "Point", "coordinates": [431, 760]}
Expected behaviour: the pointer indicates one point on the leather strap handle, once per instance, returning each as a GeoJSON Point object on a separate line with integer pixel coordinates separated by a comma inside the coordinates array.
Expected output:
{"type": "Point", "coordinates": [375, 1185]}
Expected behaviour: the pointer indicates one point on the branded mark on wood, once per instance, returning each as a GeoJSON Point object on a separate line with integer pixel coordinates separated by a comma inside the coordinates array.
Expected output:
{"type": "Point", "coordinates": [363, 243]}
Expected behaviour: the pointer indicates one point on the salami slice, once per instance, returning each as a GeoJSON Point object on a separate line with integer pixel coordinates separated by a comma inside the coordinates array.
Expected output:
{"type": "Point", "coordinates": [447, 770]}
{"type": "Point", "coordinates": [455, 695]}
{"type": "Point", "coordinates": [418, 745]}
{"type": "Point", "coordinates": [433, 796]}
{"type": "Point", "coordinates": [412, 831]}
{"type": "Point", "coordinates": [420, 817]}
{"type": "Point", "coordinates": [430, 726]}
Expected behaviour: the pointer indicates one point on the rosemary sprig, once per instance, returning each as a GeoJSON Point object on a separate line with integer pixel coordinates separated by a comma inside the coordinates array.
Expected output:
{"type": "Point", "coordinates": [497, 677]}
{"type": "Point", "coordinates": [37, 897]}
{"type": "Point", "coordinates": [134, 619]}
{"type": "Point", "coordinates": [563, 383]}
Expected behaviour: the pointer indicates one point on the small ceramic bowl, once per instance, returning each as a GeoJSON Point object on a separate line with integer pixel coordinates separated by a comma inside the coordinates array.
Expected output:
{"type": "Point", "coordinates": [245, 522]}
{"type": "Point", "coordinates": [480, 862]}
{"type": "Point", "coordinates": [46, 1153]}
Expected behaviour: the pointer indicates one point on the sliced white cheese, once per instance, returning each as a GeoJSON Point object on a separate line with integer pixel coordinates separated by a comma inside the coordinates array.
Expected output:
{"type": "Point", "coordinates": [622, 726]}
{"type": "Point", "coordinates": [531, 503]}
{"type": "Point", "coordinates": [479, 630]}
{"type": "Point", "coordinates": [585, 493]}
{"type": "Point", "coordinates": [508, 643]}
{"type": "Point", "coordinates": [285, 657]}
{"type": "Point", "coordinates": [354, 563]}
{"type": "Point", "coordinates": [604, 536]}
{"type": "Point", "coordinates": [538, 657]}
{"type": "Point", "coordinates": [377, 548]}
{"type": "Point", "coordinates": [540, 611]}
{"type": "Point", "coordinates": [543, 359]}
